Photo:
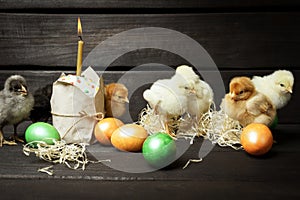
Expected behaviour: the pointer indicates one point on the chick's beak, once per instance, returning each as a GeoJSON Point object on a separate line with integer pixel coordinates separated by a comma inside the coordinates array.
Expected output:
{"type": "Point", "coordinates": [193, 91]}
{"type": "Point", "coordinates": [232, 95]}
{"type": "Point", "coordinates": [290, 90]}
{"type": "Point", "coordinates": [126, 100]}
{"type": "Point", "coordinates": [23, 90]}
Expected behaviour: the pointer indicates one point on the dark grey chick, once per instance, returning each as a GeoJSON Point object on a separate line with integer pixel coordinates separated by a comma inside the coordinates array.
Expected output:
{"type": "Point", "coordinates": [15, 106]}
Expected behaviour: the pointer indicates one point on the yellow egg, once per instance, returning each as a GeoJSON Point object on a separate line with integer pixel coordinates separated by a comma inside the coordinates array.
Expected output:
{"type": "Point", "coordinates": [129, 137]}
{"type": "Point", "coordinates": [105, 128]}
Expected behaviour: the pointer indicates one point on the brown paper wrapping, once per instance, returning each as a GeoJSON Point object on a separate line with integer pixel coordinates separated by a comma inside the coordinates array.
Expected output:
{"type": "Point", "coordinates": [77, 105]}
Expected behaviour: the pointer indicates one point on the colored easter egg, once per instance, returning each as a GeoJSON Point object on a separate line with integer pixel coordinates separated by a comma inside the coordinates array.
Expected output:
{"type": "Point", "coordinates": [256, 139]}
{"type": "Point", "coordinates": [105, 128]}
{"type": "Point", "coordinates": [41, 131]}
{"type": "Point", "coordinates": [159, 149]}
{"type": "Point", "coordinates": [129, 137]}
{"type": "Point", "coordinates": [274, 123]}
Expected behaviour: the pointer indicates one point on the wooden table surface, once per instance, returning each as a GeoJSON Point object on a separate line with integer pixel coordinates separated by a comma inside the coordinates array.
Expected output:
{"type": "Point", "coordinates": [224, 173]}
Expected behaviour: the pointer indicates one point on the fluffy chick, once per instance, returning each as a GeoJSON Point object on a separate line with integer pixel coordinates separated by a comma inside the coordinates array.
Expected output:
{"type": "Point", "coordinates": [182, 93]}
{"type": "Point", "coordinates": [166, 99]}
{"type": "Point", "coordinates": [41, 111]}
{"type": "Point", "coordinates": [199, 93]}
{"type": "Point", "coordinates": [244, 104]}
{"type": "Point", "coordinates": [200, 101]}
{"type": "Point", "coordinates": [278, 86]}
{"type": "Point", "coordinates": [15, 105]}
{"type": "Point", "coordinates": [116, 98]}
{"type": "Point", "coordinates": [169, 96]}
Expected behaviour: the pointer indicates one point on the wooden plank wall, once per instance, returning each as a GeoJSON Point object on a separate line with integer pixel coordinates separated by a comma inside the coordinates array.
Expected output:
{"type": "Point", "coordinates": [39, 38]}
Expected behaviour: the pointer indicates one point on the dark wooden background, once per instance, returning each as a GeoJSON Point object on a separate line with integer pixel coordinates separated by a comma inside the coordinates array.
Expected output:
{"type": "Point", "coordinates": [253, 38]}
{"type": "Point", "coordinates": [257, 34]}
{"type": "Point", "coordinates": [38, 39]}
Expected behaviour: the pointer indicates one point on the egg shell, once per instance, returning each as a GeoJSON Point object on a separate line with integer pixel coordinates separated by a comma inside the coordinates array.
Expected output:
{"type": "Point", "coordinates": [129, 137]}
{"type": "Point", "coordinates": [256, 139]}
{"type": "Point", "coordinates": [159, 150]}
{"type": "Point", "coordinates": [274, 123]}
{"type": "Point", "coordinates": [41, 131]}
{"type": "Point", "coordinates": [105, 128]}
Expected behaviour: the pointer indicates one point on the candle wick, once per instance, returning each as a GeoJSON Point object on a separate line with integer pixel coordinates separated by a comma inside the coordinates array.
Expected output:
{"type": "Point", "coordinates": [80, 37]}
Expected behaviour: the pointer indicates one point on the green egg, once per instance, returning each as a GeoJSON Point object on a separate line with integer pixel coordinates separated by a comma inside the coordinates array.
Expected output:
{"type": "Point", "coordinates": [274, 123]}
{"type": "Point", "coordinates": [41, 131]}
{"type": "Point", "coordinates": [159, 150]}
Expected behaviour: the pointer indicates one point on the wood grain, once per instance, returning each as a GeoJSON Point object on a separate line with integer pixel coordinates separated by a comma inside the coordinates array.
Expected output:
{"type": "Point", "coordinates": [180, 189]}
{"type": "Point", "coordinates": [232, 173]}
{"type": "Point", "coordinates": [234, 40]}
{"type": "Point", "coordinates": [22, 4]}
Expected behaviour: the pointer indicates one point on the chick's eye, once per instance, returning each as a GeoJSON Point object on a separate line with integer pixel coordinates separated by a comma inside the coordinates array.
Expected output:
{"type": "Point", "coordinates": [282, 85]}
{"type": "Point", "coordinates": [241, 92]}
{"type": "Point", "coordinates": [15, 86]}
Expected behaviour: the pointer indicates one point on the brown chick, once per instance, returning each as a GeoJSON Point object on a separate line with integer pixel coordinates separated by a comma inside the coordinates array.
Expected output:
{"type": "Point", "coordinates": [116, 97]}
{"type": "Point", "coordinates": [244, 104]}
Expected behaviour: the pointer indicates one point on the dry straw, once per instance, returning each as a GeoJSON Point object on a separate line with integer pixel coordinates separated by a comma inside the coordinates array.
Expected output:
{"type": "Point", "coordinates": [213, 125]}
{"type": "Point", "coordinates": [72, 155]}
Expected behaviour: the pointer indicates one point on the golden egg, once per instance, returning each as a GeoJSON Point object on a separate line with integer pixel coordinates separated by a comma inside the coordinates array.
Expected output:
{"type": "Point", "coordinates": [105, 128]}
{"type": "Point", "coordinates": [129, 137]}
{"type": "Point", "coordinates": [256, 139]}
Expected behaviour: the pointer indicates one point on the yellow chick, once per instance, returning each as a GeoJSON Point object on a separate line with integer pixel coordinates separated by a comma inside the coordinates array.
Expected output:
{"type": "Point", "coordinates": [278, 87]}
{"type": "Point", "coordinates": [166, 98]}
{"type": "Point", "coordinates": [244, 104]}
{"type": "Point", "coordinates": [169, 97]}
{"type": "Point", "coordinates": [116, 98]}
{"type": "Point", "coordinates": [183, 93]}
{"type": "Point", "coordinates": [199, 94]}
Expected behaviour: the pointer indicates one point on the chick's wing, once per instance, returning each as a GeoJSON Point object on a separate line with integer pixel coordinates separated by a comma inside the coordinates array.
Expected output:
{"type": "Point", "coordinates": [258, 104]}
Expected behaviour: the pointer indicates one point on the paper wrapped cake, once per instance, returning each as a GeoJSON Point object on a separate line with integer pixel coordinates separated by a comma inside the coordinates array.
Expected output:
{"type": "Point", "coordinates": [77, 104]}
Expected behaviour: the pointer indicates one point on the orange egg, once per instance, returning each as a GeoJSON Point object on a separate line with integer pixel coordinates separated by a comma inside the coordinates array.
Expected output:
{"type": "Point", "coordinates": [105, 128]}
{"type": "Point", "coordinates": [256, 139]}
{"type": "Point", "coordinates": [129, 137]}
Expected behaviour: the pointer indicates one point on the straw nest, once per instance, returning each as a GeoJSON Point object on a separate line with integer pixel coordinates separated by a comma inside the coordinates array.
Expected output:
{"type": "Point", "coordinates": [213, 125]}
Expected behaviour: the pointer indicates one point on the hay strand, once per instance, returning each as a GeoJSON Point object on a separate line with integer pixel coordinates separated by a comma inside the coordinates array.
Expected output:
{"type": "Point", "coordinates": [213, 125]}
{"type": "Point", "coordinates": [72, 155]}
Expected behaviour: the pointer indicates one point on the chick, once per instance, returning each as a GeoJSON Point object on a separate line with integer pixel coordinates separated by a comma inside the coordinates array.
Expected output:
{"type": "Point", "coordinates": [185, 76]}
{"type": "Point", "coordinates": [41, 111]}
{"type": "Point", "coordinates": [244, 104]}
{"type": "Point", "coordinates": [199, 94]}
{"type": "Point", "coordinates": [15, 105]}
{"type": "Point", "coordinates": [183, 92]}
{"type": "Point", "coordinates": [169, 96]}
{"type": "Point", "coordinates": [199, 102]}
{"type": "Point", "coordinates": [116, 98]}
{"type": "Point", "coordinates": [278, 86]}
{"type": "Point", "coordinates": [166, 99]}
